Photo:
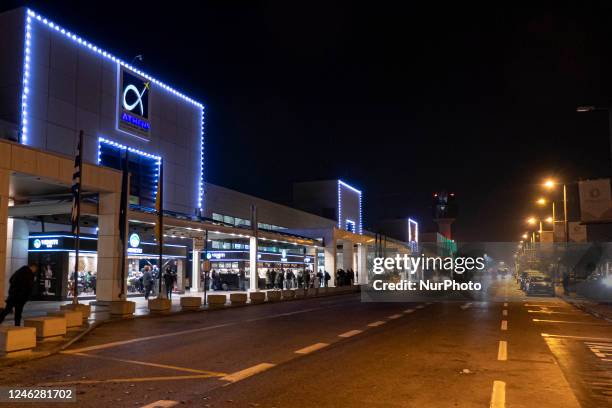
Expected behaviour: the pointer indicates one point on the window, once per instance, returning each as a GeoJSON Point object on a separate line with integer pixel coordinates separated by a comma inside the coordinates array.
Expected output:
{"type": "Point", "coordinates": [217, 217]}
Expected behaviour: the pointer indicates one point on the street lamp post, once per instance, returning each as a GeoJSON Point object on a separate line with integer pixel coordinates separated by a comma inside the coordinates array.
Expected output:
{"type": "Point", "coordinates": [550, 184]}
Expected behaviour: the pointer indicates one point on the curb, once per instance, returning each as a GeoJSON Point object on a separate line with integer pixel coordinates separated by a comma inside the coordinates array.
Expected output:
{"type": "Point", "coordinates": [581, 306]}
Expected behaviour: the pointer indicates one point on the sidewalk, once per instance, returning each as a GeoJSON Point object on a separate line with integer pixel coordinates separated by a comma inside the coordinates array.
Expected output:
{"type": "Point", "coordinates": [601, 310]}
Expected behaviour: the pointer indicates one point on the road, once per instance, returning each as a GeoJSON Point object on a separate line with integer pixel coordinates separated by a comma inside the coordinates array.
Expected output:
{"type": "Point", "coordinates": [338, 351]}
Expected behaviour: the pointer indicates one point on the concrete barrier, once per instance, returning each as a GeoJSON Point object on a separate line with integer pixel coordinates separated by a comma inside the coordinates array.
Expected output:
{"type": "Point", "coordinates": [312, 292]}
{"type": "Point", "coordinates": [15, 341]}
{"type": "Point", "coordinates": [74, 318]}
{"type": "Point", "coordinates": [238, 298]}
{"type": "Point", "coordinates": [80, 307]}
{"type": "Point", "coordinates": [274, 295]}
{"type": "Point", "coordinates": [257, 297]}
{"type": "Point", "coordinates": [300, 293]}
{"type": "Point", "coordinates": [122, 308]}
{"type": "Point", "coordinates": [216, 300]}
{"type": "Point", "coordinates": [160, 305]}
{"type": "Point", "coordinates": [47, 328]}
{"type": "Point", "coordinates": [324, 292]}
{"type": "Point", "coordinates": [191, 302]}
{"type": "Point", "coordinates": [288, 294]}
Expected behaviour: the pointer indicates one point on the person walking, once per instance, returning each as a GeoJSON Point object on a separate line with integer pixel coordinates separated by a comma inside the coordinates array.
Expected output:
{"type": "Point", "coordinates": [326, 277]}
{"type": "Point", "coordinates": [21, 284]}
{"type": "Point", "coordinates": [147, 281]}
{"type": "Point", "coordinates": [168, 282]}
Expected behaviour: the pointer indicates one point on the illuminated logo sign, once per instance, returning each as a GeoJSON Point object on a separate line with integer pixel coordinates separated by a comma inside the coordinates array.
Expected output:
{"type": "Point", "coordinates": [284, 255]}
{"type": "Point", "coordinates": [133, 103]}
{"type": "Point", "coordinates": [45, 243]}
{"type": "Point", "coordinates": [134, 240]}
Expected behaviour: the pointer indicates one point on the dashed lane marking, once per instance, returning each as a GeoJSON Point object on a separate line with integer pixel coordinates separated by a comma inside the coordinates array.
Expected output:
{"type": "Point", "coordinates": [395, 316]}
{"type": "Point", "coordinates": [144, 363]}
{"type": "Point", "coordinates": [505, 312]}
{"type": "Point", "coordinates": [408, 311]}
{"type": "Point", "coordinates": [161, 404]}
{"type": "Point", "coordinates": [376, 324]}
{"type": "Point", "coordinates": [498, 395]}
{"type": "Point", "coordinates": [506, 304]}
{"type": "Point", "coordinates": [467, 305]}
{"type": "Point", "coordinates": [419, 306]}
{"type": "Point", "coordinates": [247, 372]}
{"type": "Point", "coordinates": [350, 333]}
{"type": "Point", "coordinates": [502, 351]}
{"type": "Point", "coordinates": [133, 379]}
{"type": "Point", "coordinates": [504, 325]}
{"type": "Point", "coordinates": [311, 348]}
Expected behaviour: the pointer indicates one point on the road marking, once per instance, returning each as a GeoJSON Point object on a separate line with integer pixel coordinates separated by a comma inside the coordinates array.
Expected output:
{"type": "Point", "coordinates": [134, 379]}
{"type": "Point", "coordinates": [189, 370]}
{"type": "Point", "coordinates": [350, 333]}
{"type": "Point", "coordinates": [551, 312]}
{"type": "Point", "coordinates": [376, 324]}
{"type": "Point", "coordinates": [502, 351]}
{"type": "Point", "coordinates": [505, 312]}
{"type": "Point", "coordinates": [545, 306]}
{"type": "Point", "coordinates": [408, 311]}
{"type": "Point", "coordinates": [161, 404]}
{"type": "Point", "coordinates": [463, 307]}
{"type": "Point", "coordinates": [419, 306]}
{"type": "Point", "coordinates": [498, 396]}
{"type": "Point", "coordinates": [575, 337]}
{"type": "Point", "coordinates": [395, 316]}
{"type": "Point", "coordinates": [182, 332]}
{"type": "Point", "coordinates": [247, 372]}
{"type": "Point", "coordinates": [311, 348]}
{"type": "Point", "coordinates": [505, 304]}
{"type": "Point", "coordinates": [504, 325]}
{"type": "Point", "coordinates": [566, 321]}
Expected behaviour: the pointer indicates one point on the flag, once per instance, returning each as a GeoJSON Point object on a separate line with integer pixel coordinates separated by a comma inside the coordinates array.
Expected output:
{"type": "Point", "coordinates": [76, 186]}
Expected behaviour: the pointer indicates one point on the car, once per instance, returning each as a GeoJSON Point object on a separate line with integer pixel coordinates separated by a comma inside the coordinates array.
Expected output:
{"type": "Point", "coordinates": [539, 284]}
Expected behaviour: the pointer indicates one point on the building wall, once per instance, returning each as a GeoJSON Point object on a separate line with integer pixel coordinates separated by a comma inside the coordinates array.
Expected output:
{"type": "Point", "coordinates": [224, 201]}
{"type": "Point", "coordinates": [74, 87]}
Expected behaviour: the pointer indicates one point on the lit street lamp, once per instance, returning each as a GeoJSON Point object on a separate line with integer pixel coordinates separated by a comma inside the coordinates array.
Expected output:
{"type": "Point", "coordinates": [550, 184]}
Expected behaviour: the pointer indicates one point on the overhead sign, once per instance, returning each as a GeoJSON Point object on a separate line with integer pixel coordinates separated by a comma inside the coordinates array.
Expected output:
{"type": "Point", "coordinates": [133, 103]}
{"type": "Point", "coordinates": [595, 200]}
{"type": "Point", "coordinates": [45, 243]}
{"type": "Point", "coordinates": [577, 232]}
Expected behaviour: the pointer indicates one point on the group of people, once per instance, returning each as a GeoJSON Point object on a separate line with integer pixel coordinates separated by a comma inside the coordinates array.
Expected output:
{"type": "Point", "coordinates": [87, 283]}
{"type": "Point", "coordinates": [345, 278]}
{"type": "Point", "coordinates": [150, 277]}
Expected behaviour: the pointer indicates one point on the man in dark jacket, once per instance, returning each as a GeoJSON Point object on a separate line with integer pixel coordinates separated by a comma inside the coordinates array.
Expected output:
{"type": "Point", "coordinates": [147, 281]}
{"type": "Point", "coordinates": [21, 284]}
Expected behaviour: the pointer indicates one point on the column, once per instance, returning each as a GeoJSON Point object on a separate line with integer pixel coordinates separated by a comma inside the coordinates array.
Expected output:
{"type": "Point", "coordinates": [195, 268]}
{"type": "Point", "coordinates": [108, 283]}
{"type": "Point", "coordinates": [4, 204]}
{"type": "Point", "coordinates": [330, 259]}
{"type": "Point", "coordinates": [347, 255]}
{"type": "Point", "coordinates": [254, 276]}
{"type": "Point", "coordinates": [362, 264]}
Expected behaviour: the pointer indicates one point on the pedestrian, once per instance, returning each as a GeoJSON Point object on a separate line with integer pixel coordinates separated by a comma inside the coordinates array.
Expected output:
{"type": "Point", "coordinates": [147, 281]}
{"type": "Point", "coordinates": [327, 277]}
{"type": "Point", "coordinates": [21, 284]}
{"type": "Point", "coordinates": [168, 282]}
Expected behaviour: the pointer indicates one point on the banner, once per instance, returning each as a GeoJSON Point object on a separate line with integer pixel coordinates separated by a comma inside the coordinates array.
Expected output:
{"type": "Point", "coordinates": [577, 232]}
{"type": "Point", "coordinates": [546, 237]}
{"type": "Point", "coordinates": [559, 231]}
{"type": "Point", "coordinates": [595, 200]}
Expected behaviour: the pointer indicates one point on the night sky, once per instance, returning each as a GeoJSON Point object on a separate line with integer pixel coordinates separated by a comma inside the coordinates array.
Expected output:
{"type": "Point", "coordinates": [398, 102]}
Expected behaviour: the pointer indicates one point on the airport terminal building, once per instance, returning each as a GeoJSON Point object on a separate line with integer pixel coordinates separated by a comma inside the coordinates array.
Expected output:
{"type": "Point", "coordinates": [54, 84]}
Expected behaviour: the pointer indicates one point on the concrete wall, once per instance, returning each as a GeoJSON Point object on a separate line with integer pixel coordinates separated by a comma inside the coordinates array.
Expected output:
{"type": "Point", "coordinates": [224, 201]}
{"type": "Point", "coordinates": [73, 88]}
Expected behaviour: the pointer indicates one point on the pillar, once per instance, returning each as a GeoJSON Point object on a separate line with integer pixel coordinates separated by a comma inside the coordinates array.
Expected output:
{"type": "Point", "coordinates": [330, 259]}
{"type": "Point", "coordinates": [108, 283]}
{"type": "Point", "coordinates": [254, 275]}
{"type": "Point", "coordinates": [362, 264]}
{"type": "Point", "coordinates": [195, 268]}
{"type": "Point", "coordinates": [347, 255]}
{"type": "Point", "coordinates": [4, 204]}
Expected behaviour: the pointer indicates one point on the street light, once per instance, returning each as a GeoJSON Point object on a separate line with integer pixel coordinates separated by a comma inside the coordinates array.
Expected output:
{"type": "Point", "coordinates": [550, 184]}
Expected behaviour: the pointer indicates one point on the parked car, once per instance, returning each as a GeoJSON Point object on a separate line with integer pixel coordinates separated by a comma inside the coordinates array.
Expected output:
{"type": "Point", "coordinates": [540, 284]}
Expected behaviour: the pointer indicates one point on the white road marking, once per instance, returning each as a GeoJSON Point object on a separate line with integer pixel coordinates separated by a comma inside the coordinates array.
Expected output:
{"type": "Point", "coordinates": [505, 312]}
{"type": "Point", "coordinates": [350, 333]}
{"type": "Point", "coordinates": [161, 404]}
{"type": "Point", "coordinates": [463, 307]}
{"type": "Point", "coordinates": [502, 351]}
{"type": "Point", "coordinates": [408, 311]}
{"type": "Point", "coordinates": [570, 322]}
{"type": "Point", "coordinates": [395, 316]}
{"type": "Point", "coordinates": [575, 337]}
{"type": "Point", "coordinates": [498, 396]}
{"type": "Point", "coordinates": [504, 325]}
{"type": "Point", "coordinates": [545, 306]}
{"type": "Point", "coordinates": [505, 304]}
{"type": "Point", "coordinates": [376, 324]}
{"type": "Point", "coordinates": [419, 306]}
{"type": "Point", "coordinates": [311, 348]}
{"type": "Point", "coordinates": [551, 312]}
{"type": "Point", "coordinates": [247, 372]}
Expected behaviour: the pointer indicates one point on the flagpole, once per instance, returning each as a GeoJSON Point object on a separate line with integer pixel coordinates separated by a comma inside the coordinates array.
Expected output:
{"type": "Point", "coordinates": [77, 178]}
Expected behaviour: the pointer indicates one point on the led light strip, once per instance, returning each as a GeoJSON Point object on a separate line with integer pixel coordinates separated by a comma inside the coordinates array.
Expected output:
{"type": "Point", "coordinates": [416, 230]}
{"type": "Point", "coordinates": [31, 16]}
{"type": "Point", "coordinates": [343, 184]}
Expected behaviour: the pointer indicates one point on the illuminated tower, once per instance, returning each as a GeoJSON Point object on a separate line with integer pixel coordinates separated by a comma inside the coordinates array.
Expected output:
{"type": "Point", "coordinates": [444, 212]}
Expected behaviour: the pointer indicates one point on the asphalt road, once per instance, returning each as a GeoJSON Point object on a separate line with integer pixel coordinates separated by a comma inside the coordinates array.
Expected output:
{"type": "Point", "coordinates": [338, 351]}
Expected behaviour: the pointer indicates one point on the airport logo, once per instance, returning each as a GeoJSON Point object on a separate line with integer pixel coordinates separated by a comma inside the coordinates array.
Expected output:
{"type": "Point", "coordinates": [133, 103]}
